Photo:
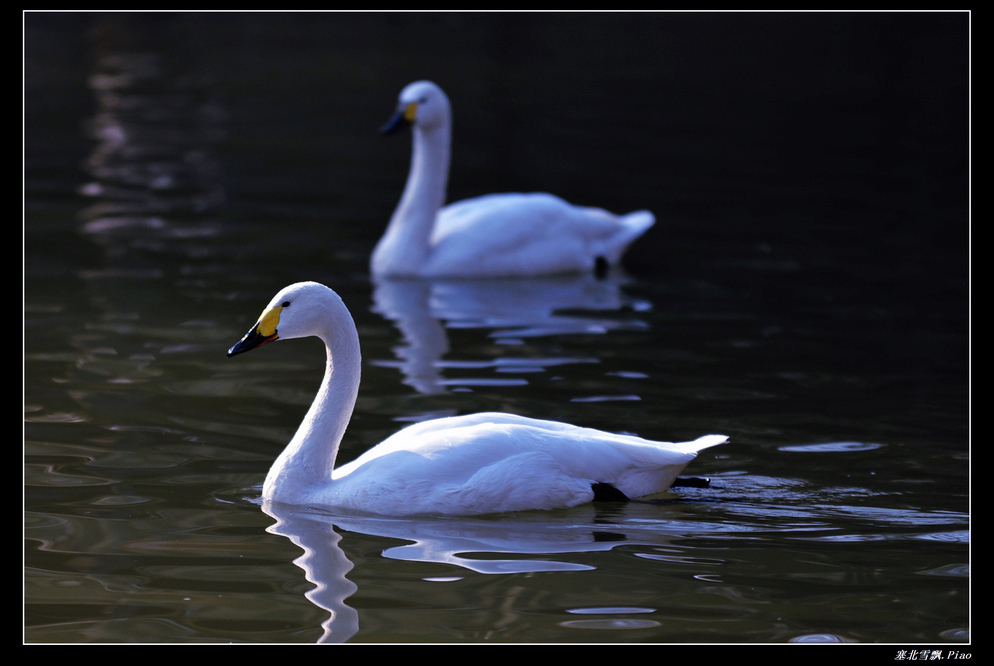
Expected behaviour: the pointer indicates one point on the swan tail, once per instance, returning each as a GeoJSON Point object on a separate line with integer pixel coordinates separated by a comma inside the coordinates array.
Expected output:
{"type": "Point", "coordinates": [630, 227]}
{"type": "Point", "coordinates": [638, 222]}
{"type": "Point", "coordinates": [702, 443]}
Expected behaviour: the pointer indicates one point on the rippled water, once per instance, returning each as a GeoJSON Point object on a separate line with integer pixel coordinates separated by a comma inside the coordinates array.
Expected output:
{"type": "Point", "coordinates": [805, 294]}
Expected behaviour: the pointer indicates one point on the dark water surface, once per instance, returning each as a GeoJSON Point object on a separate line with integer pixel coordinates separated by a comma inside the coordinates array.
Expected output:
{"type": "Point", "coordinates": [805, 291]}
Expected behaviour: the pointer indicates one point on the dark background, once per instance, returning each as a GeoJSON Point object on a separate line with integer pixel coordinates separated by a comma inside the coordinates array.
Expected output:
{"type": "Point", "coordinates": [738, 122]}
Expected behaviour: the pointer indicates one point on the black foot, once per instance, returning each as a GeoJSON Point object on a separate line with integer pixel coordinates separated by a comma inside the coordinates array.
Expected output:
{"type": "Point", "coordinates": [692, 482]}
{"type": "Point", "coordinates": [605, 492]}
{"type": "Point", "coordinates": [601, 268]}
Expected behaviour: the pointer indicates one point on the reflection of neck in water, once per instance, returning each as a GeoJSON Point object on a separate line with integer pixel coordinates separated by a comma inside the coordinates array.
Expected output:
{"type": "Point", "coordinates": [324, 564]}
{"type": "Point", "coordinates": [510, 308]}
{"type": "Point", "coordinates": [406, 304]}
{"type": "Point", "coordinates": [497, 546]}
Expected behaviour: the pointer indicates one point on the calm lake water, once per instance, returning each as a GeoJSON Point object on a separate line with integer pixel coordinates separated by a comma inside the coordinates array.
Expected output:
{"type": "Point", "coordinates": [805, 291]}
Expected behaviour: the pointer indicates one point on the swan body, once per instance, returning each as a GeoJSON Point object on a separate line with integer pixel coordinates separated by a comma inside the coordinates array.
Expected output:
{"type": "Point", "coordinates": [498, 235]}
{"type": "Point", "coordinates": [461, 465]}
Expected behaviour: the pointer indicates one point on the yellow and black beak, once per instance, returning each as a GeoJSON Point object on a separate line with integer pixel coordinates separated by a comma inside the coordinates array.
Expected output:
{"type": "Point", "coordinates": [263, 332]}
{"type": "Point", "coordinates": [403, 119]}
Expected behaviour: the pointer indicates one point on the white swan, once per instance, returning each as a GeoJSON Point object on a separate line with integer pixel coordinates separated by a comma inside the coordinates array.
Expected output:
{"type": "Point", "coordinates": [489, 236]}
{"type": "Point", "coordinates": [481, 463]}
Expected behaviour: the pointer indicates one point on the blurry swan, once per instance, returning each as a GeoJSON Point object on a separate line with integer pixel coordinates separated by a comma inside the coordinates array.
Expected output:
{"type": "Point", "coordinates": [474, 464]}
{"type": "Point", "coordinates": [488, 236]}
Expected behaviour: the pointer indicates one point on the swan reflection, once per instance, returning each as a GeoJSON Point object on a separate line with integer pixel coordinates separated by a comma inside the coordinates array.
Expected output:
{"type": "Point", "coordinates": [512, 309]}
{"type": "Point", "coordinates": [496, 545]}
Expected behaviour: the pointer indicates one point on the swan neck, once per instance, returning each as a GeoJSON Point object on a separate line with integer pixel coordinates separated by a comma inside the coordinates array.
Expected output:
{"type": "Point", "coordinates": [309, 459]}
{"type": "Point", "coordinates": [407, 241]}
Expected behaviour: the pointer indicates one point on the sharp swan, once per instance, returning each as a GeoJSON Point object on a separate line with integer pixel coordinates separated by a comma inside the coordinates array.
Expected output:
{"type": "Point", "coordinates": [474, 464]}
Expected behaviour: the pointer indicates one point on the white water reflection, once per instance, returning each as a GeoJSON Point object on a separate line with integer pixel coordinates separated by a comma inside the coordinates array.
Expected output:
{"type": "Point", "coordinates": [513, 309]}
{"type": "Point", "coordinates": [522, 543]}
{"type": "Point", "coordinates": [831, 447]}
{"type": "Point", "coordinates": [324, 564]}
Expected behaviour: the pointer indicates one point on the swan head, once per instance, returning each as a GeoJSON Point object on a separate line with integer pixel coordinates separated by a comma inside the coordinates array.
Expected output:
{"type": "Point", "coordinates": [297, 311]}
{"type": "Point", "coordinates": [421, 104]}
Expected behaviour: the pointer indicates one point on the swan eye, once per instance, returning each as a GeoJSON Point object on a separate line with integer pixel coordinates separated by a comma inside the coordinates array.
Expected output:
{"type": "Point", "coordinates": [285, 304]}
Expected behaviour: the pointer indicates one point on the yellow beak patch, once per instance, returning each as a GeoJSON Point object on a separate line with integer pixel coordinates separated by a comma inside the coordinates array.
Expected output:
{"type": "Point", "coordinates": [269, 320]}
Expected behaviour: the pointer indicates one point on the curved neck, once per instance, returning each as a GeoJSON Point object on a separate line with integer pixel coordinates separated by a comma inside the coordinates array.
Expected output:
{"type": "Point", "coordinates": [406, 242]}
{"type": "Point", "coordinates": [309, 458]}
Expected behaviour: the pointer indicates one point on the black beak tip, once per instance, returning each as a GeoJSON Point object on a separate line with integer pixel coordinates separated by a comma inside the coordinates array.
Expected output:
{"type": "Point", "coordinates": [251, 340]}
{"type": "Point", "coordinates": [237, 348]}
{"type": "Point", "coordinates": [395, 124]}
